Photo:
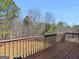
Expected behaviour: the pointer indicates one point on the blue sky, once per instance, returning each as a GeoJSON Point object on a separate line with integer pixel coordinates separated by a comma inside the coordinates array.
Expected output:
{"type": "Point", "coordinates": [63, 10]}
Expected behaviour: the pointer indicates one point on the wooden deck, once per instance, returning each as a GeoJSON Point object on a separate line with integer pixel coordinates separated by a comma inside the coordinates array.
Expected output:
{"type": "Point", "coordinates": [52, 46]}
{"type": "Point", "coordinates": [62, 50]}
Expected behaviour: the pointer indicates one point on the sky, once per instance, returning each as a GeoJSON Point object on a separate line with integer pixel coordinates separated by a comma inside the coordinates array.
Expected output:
{"type": "Point", "coordinates": [63, 10]}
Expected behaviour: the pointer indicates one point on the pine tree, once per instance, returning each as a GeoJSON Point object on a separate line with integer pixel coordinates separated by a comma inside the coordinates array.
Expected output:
{"type": "Point", "coordinates": [8, 11]}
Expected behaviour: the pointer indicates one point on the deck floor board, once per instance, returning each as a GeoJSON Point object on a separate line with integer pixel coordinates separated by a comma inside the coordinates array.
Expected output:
{"type": "Point", "coordinates": [61, 50]}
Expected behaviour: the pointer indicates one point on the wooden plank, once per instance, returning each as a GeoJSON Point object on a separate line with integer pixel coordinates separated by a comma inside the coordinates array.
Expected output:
{"type": "Point", "coordinates": [68, 50]}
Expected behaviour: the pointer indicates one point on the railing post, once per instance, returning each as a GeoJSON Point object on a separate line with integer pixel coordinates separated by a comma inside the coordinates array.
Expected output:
{"type": "Point", "coordinates": [63, 37]}
{"type": "Point", "coordinates": [77, 39]}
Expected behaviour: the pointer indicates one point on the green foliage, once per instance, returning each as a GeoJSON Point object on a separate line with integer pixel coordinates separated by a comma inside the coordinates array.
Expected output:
{"type": "Point", "coordinates": [8, 10]}
{"type": "Point", "coordinates": [26, 20]}
{"type": "Point", "coordinates": [49, 28]}
{"type": "Point", "coordinates": [61, 23]}
{"type": "Point", "coordinates": [4, 27]}
{"type": "Point", "coordinates": [1, 15]}
{"type": "Point", "coordinates": [76, 27]}
{"type": "Point", "coordinates": [9, 5]}
{"type": "Point", "coordinates": [1, 1]}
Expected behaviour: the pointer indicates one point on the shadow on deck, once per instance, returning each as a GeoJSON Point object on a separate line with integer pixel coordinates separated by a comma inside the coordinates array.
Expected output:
{"type": "Point", "coordinates": [62, 50]}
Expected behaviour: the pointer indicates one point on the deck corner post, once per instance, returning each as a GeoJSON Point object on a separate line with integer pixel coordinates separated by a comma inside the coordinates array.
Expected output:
{"type": "Point", "coordinates": [63, 37]}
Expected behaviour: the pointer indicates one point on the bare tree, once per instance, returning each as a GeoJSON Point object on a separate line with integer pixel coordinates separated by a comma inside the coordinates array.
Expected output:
{"type": "Point", "coordinates": [33, 22]}
{"type": "Point", "coordinates": [49, 22]}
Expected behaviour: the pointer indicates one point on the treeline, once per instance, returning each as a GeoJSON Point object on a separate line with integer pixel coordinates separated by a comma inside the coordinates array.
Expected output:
{"type": "Point", "coordinates": [34, 23]}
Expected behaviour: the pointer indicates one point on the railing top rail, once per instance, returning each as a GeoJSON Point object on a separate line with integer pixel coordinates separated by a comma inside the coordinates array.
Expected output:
{"type": "Point", "coordinates": [72, 33]}
{"type": "Point", "coordinates": [26, 38]}
{"type": "Point", "coordinates": [49, 34]}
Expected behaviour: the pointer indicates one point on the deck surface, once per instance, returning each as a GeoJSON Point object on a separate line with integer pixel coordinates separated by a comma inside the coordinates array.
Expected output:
{"type": "Point", "coordinates": [62, 50]}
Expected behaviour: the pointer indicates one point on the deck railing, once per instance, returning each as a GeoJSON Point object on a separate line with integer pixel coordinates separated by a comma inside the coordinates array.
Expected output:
{"type": "Point", "coordinates": [34, 47]}
{"type": "Point", "coordinates": [21, 48]}
{"type": "Point", "coordinates": [73, 37]}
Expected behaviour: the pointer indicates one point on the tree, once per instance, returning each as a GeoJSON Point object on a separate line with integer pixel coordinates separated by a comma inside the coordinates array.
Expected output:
{"type": "Point", "coordinates": [8, 11]}
{"type": "Point", "coordinates": [49, 23]}
{"type": "Point", "coordinates": [48, 17]}
{"type": "Point", "coordinates": [63, 27]}
{"type": "Point", "coordinates": [76, 28]}
{"type": "Point", "coordinates": [61, 23]}
{"type": "Point", "coordinates": [35, 21]}
{"type": "Point", "coordinates": [26, 26]}
{"type": "Point", "coordinates": [60, 27]}
{"type": "Point", "coordinates": [32, 23]}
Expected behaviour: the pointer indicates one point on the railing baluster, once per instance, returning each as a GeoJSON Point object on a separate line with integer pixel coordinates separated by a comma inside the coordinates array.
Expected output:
{"type": "Point", "coordinates": [27, 48]}
{"type": "Point", "coordinates": [34, 47]}
{"type": "Point", "coordinates": [0, 49]}
{"type": "Point", "coordinates": [20, 48]}
{"type": "Point", "coordinates": [24, 47]}
{"type": "Point", "coordinates": [30, 47]}
{"type": "Point", "coordinates": [13, 48]}
{"type": "Point", "coordinates": [37, 46]}
{"type": "Point", "coordinates": [16, 44]}
{"type": "Point", "coordinates": [9, 50]}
